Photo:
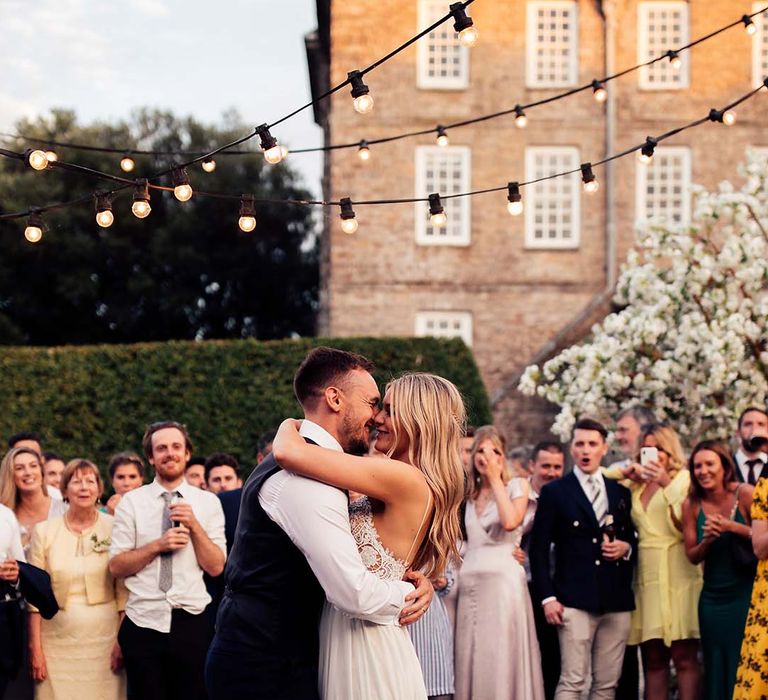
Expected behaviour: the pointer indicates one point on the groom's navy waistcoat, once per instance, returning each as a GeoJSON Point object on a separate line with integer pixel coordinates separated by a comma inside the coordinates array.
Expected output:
{"type": "Point", "coordinates": [272, 600]}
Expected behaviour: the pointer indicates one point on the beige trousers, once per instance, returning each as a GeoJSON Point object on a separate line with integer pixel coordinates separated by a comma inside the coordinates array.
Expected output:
{"type": "Point", "coordinates": [596, 641]}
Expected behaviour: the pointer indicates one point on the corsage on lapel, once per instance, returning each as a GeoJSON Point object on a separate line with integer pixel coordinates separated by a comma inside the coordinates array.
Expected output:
{"type": "Point", "coordinates": [100, 546]}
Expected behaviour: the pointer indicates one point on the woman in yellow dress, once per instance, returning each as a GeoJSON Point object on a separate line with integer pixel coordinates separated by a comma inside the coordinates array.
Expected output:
{"type": "Point", "coordinates": [75, 654]}
{"type": "Point", "coordinates": [752, 676]}
{"type": "Point", "coordinates": [665, 622]}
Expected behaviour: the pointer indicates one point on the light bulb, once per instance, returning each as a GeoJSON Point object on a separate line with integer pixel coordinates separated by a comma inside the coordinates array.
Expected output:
{"type": "Point", "coordinates": [438, 220]}
{"type": "Point", "coordinates": [363, 104]}
{"type": "Point", "coordinates": [348, 220]}
{"type": "Point", "coordinates": [105, 218]}
{"type": "Point", "coordinates": [749, 25]}
{"type": "Point", "coordinates": [349, 226]}
{"type": "Point", "coordinates": [363, 152]}
{"type": "Point", "coordinates": [37, 160]}
{"type": "Point", "coordinates": [51, 156]}
{"type": "Point", "coordinates": [33, 234]}
{"type": "Point", "coordinates": [361, 97]}
{"type": "Point", "coordinates": [247, 223]}
{"type": "Point", "coordinates": [677, 62]}
{"type": "Point", "coordinates": [591, 187]}
{"type": "Point", "coordinates": [600, 94]}
{"type": "Point", "coordinates": [443, 140]}
{"type": "Point", "coordinates": [644, 158]}
{"type": "Point", "coordinates": [140, 206]}
{"type": "Point", "coordinates": [515, 208]}
{"type": "Point", "coordinates": [729, 118]}
{"type": "Point", "coordinates": [273, 155]}
{"type": "Point", "coordinates": [209, 165]}
{"type": "Point", "coordinates": [520, 119]}
{"type": "Point", "coordinates": [468, 37]}
{"type": "Point", "coordinates": [127, 164]}
{"type": "Point", "coordinates": [141, 209]}
{"type": "Point", "coordinates": [183, 192]}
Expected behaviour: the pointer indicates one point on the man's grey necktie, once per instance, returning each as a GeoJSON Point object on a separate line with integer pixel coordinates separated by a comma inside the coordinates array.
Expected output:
{"type": "Point", "coordinates": [596, 497]}
{"type": "Point", "coordinates": [166, 558]}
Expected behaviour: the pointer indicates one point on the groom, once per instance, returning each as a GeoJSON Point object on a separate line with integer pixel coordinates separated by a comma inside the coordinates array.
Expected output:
{"type": "Point", "coordinates": [293, 548]}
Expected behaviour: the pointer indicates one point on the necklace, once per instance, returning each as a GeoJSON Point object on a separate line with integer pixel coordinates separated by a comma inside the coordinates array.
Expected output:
{"type": "Point", "coordinates": [77, 528]}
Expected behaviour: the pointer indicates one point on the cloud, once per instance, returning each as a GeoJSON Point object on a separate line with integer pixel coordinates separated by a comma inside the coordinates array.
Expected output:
{"type": "Point", "coordinates": [151, 8]}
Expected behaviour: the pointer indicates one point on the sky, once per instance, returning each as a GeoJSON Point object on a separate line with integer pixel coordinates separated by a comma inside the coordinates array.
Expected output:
{"type": "Point", "coordinates": [105, 58]}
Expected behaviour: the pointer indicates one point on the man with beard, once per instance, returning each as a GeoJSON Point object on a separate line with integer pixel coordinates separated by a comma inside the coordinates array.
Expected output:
{"type": "Point", "coordinates": [165, 535]}
{"type": "Point", "coordinates": [752, 456]}
{"type": "Point", "coordinates": [546, 465]}
{"type": "Point", "coordinates": [293, 547]}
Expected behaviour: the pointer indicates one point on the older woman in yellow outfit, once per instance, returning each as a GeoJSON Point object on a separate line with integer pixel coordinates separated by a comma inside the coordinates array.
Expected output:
{"type": "Point", "coordinates": [75, 655]}
{"type": "Point", "coordinates": [665, 621]}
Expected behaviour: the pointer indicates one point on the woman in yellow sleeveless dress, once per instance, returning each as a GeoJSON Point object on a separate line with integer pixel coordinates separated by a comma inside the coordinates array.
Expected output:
{"type": "Point", "coordinates": [665, 622]}
{"type": "Point", "coordinates": [752, 676]}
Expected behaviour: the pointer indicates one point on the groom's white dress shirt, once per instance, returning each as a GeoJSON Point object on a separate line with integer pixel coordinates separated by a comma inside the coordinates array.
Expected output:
{"type": "Point", "coordinates": [316, 518]}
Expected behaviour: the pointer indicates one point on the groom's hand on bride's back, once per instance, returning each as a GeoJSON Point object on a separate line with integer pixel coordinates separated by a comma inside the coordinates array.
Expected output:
{"type": "Point", "coordinates": [416, 602]}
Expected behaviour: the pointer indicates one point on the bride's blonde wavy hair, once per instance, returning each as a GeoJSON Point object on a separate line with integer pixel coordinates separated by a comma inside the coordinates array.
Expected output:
{"type": "Point", "coordinates": [429, 411]}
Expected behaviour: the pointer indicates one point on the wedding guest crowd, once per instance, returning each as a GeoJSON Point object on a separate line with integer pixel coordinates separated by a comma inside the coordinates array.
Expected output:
{"type": "Point", "coordinates": [568, 567]}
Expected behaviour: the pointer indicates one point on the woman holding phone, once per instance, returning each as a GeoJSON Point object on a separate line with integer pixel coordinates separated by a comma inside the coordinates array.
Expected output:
{"type": "Point", "coordinates": [665, 621]}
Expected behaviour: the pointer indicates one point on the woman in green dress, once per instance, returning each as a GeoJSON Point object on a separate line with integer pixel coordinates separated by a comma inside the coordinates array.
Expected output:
{"type": "Point", "coordinates": [716, 512]}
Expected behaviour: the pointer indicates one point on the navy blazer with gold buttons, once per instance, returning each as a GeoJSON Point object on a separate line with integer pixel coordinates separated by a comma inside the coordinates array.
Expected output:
{"type": "Point", "coordinates": [582, 578]}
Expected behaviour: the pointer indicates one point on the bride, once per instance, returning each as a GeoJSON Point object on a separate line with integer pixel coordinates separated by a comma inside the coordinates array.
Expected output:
{"type": "Point", "coordinates": [408, 518]}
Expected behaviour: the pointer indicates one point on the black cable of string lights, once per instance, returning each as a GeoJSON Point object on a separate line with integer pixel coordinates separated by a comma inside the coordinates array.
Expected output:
{"type": "Point", "coordinates": [594, 85]}
{"type": "Point", "coordinates": [646, 148]}
{"type": "Point", "coordinates": [456, 11]}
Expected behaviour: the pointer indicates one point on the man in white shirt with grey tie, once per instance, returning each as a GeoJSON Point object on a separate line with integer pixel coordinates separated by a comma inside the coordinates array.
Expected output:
{"type": "Point", "coordinates": [165, 535]}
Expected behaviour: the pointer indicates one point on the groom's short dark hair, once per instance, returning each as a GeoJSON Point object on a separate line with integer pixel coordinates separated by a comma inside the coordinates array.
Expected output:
{"type": "Point", "coordinates": [324, 367]}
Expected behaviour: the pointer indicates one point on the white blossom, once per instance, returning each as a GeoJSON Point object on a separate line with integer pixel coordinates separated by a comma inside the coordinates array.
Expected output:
{"type": "Point", "coordinates": [691, 340]}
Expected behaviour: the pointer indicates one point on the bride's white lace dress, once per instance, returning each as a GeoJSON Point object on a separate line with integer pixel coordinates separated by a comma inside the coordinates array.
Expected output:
{"type": "Point", "coordinates": [360, 660]}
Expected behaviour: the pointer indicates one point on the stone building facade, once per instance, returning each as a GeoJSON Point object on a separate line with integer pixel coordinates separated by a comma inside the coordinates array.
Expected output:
{"type": "Point", "coordinates": [517, 288]}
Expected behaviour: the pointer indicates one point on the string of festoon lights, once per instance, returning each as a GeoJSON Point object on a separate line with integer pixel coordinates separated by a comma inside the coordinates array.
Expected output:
{"type": "Point", "coordinates": [39, 160]}
{"type": "Point", "coordinates": [274, 153]}
{"type": "Point", "coordinates": [363, 103]}
{"type": "Point", "coordinates": [349, 223]}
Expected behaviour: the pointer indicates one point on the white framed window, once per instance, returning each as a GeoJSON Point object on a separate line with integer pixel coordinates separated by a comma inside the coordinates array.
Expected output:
{"type": "Point", "coordinates": [552, 207]}
{"type": "Point", "coordinates": [442, 63]}
{"type": "Point", "coordinates": [760, 45]}
{"type": "Point", "coordinates": [664, 187]}
{"type": "Point", "coordinates": [445, 170]}
{"type": "Point", "coordinates": [445, 324]}
{"type": "Point", "coordinates": [661, 27]}
{"type": "Point", "coordinates": [552, 44]}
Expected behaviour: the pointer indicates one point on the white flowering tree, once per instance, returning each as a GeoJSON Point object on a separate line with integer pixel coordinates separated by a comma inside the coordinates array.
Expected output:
{"type": "Point", "coordinates": [691, 338]}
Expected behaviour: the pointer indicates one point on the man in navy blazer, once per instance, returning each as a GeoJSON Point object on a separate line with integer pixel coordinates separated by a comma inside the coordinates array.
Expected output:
{"type": "Point", "coordinates": [589, 594]}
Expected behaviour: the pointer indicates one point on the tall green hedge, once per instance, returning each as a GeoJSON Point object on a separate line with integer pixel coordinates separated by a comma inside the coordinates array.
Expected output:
{"type": "Point", "coordinates": [91, 401]}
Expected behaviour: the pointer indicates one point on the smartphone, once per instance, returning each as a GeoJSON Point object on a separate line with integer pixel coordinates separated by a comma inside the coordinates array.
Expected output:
{"type": "Point", "coordinates": [648, 454]}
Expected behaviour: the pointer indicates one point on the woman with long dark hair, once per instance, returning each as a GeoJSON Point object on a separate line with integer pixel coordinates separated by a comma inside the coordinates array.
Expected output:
{"type": "Point", "coordinates": [716, 519]}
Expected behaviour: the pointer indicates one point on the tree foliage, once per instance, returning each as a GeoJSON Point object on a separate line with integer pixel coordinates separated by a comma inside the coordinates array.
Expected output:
{"type": "Point", "coordinates": [185, 272]}
{"type": "Point", "coordinates": [691, 338]}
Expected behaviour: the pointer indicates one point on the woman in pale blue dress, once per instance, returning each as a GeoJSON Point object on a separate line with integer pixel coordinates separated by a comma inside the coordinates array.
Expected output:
{"type": "Point", "coordinates": [408, 519]}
